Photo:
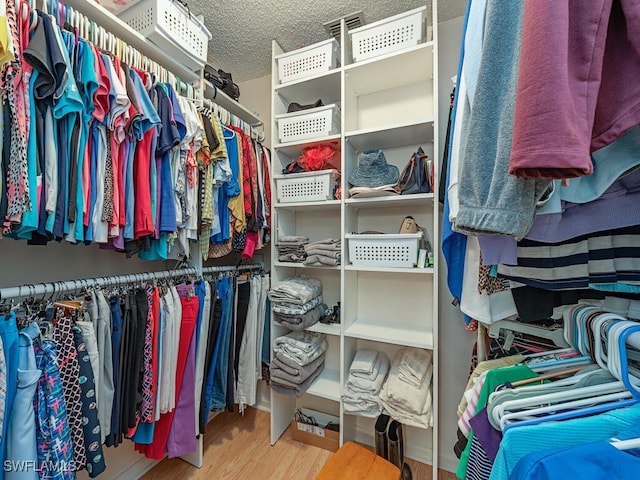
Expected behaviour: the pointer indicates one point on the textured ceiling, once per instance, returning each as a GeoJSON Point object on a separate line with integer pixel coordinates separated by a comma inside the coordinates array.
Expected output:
{"type": "Point", "coordinates": [242, 31]}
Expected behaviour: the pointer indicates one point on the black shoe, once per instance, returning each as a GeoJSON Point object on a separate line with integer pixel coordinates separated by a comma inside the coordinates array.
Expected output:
{"type": "Point", "coordinates": [381, 426]}
{"type": "Point", "coordinates": [296, 107]}
{"type": "Point", "coordinates": [395, 438]}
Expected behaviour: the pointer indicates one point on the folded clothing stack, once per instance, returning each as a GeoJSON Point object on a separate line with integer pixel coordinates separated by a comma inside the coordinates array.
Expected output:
{"type": "Point", "coordinates": [406, 395]}
{"type": "Point", "coordinates": [299, 359]}
{"type": "Point", "coordinates": [367, 374]}
{"type": "Point", "coordinates": [324, 252]}
{"type": "Point", "coordinates": [297, 302]}
{"type": "Point", "coordinates": [291, 248]}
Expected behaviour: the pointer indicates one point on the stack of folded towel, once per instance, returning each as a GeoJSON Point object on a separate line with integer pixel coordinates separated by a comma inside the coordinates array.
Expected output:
{"type": "Point", "coordinates": [291, 248]}
{"type": "Point", "coordinates": [297, 302]}
{"type": "Point", "coordinates": [406, 395]}
{"type": "Point", "coordinates": [324, 252]}
{"type": "Point", "coordinates": [298, 360]}
{"type": "Point", "coordinates": [367, 373]}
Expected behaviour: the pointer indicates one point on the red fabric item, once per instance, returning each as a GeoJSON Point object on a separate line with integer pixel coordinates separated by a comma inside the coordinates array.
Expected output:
{"type": "Point", "coordinates": [157, 449]}
{"type": "Point", "coordinates": [318, 157]}
{"type": "Point", "coordinates": [142, 214]}
{"type": "Point", "coordinates": [250, 245]}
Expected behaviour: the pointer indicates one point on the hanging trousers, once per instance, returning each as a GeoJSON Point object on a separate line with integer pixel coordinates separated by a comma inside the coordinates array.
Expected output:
{"type": "Point", "coordinates": [215, 313]}
{"type": "Point", "coordinates": [21, 431]}
{"type": "Point", "coordinates": [70, 376]}
{"type": "Point", "coordinates": [157, 449]}
{"type": "Point", "coordinates": [114, 438]}
{"type": "Point", "coordinates": [9, 335]}
{"type": "Point", "coordinates": [90, 421]}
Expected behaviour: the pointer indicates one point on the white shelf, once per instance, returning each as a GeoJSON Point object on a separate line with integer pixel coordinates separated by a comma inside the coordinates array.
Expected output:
{"type": "Point", "coordinates": [425, 199]}
{"type": "Point", "coordinates": [328, 329]}
{"type": "Point", "coordinates": [306, 143]}
{"type": "Point", "coordinates": [391, 332]}
{"type": "Point", "coordinates": [324, 86]}
{"type": "Point", "coordinates": [418, 271]}
{"type": "Point", "coordinates": [104, 18]}
{"type": "Point", "coordinates": [319, 205]}
{"type": "Point", "coordinates": [302, 265]}
{"type": "Point", "coordinates": [327, 385]}
{"type": "Point", "coordinates": [294, 150]}
{"type": "Point", "coordinates": [393, 70]}
{"type": "Point", "coordinates": [389, 136]}
{"type": "Point", "coordinates": [229, 104]}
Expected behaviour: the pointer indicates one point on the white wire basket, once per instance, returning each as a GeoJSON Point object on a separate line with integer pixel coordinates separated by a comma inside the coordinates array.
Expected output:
{"type": "Point", "coordinates": [309, 124]}
{"type": "Point", "coordinates": [306, 187]}
{"type": "Point", "coordinates": [169, 25]}
{"type": "Point", "coordinates": [304, 62]}
{"type": "Point", "coordinates": [388, 35]}
{"type": "Point", "coordinates": [384, 250]}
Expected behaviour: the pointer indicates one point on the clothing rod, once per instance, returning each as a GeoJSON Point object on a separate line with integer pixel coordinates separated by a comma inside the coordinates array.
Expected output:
{"type": "Point", "coordinates": [68, 286]}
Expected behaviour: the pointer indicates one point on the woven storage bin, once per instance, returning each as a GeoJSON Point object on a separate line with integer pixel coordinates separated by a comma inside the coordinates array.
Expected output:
{"type": "Point", "coordinates": [307, 186]}
{"type": "Point", "coordinates": [384, 250]}
{"type": "Point", "coordinates": [388, 35]}
{"type": "Point", "coordinates": [307, 61]}
{"type": "Point", "coordinates": [309, 124]}
{"type": "Point", "coordinates": [169, 25]}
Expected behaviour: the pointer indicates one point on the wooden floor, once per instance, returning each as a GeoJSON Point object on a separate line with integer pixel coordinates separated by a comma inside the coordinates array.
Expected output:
{"type": "Point", "coordinates": [237, 448]}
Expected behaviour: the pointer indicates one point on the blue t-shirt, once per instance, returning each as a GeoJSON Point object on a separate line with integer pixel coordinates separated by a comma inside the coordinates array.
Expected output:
{"type": "Point", "coordinates": [593, 461]}
{"type": "Point", "coordinates": [519, 442]}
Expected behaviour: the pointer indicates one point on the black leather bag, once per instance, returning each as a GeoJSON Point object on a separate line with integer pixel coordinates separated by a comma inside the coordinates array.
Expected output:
{"type": "Point", "coordinates": [222, 81]}
{"type": "Point", "coordinates": [415, 177]}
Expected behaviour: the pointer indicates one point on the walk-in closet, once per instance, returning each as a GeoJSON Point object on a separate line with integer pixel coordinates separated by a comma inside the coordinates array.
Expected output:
{"type": "Point", "coordinates": [319, 241]}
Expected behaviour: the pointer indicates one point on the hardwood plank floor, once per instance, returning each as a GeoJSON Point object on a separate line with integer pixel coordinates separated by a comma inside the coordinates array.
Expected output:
{"type": "Point", "coordinates": [237, 447]}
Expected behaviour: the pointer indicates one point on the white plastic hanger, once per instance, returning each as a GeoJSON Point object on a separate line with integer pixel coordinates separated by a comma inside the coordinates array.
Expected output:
{"type": "Point", "coordinates": [572, 405]}
{"type": "Point", "coordinates": [626, 444]}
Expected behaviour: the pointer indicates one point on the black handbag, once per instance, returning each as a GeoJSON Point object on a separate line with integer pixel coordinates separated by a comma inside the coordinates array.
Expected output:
{"type": "Point", "coordinates": [222, 81]}
{"type": "Point", "coordinates": [416, 175]}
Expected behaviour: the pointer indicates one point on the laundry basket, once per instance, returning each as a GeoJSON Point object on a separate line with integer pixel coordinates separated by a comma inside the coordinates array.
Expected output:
{"type": "Point", "coordinates": [309, 124]}
{"type": "Point", "coordinates": [306, 187]}
{"type": "Point", "coordinates": [169, 25]}
{"type": "Point", "coordinates": [307, 61]}
{"type": "Point", "coordinates": [384, 249]}
{"type": "Point", "coordinates": [388, 35]}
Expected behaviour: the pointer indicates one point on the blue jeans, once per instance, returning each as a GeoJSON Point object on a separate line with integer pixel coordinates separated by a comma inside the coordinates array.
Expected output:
{"type": "Point", "coordinates": [217, 399]}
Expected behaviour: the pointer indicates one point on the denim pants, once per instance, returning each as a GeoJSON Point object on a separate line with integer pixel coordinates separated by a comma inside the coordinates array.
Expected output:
{"type": "Point", "coordinates": [220, 363]}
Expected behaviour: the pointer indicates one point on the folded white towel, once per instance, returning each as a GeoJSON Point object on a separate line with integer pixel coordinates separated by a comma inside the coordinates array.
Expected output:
{"type": "Point", "coordinates": [413, 366]}
{"type": "Point", "coordinates": [363, 362]}
{"type": "Point", "coordinates": [405, 401]}
{"type": "Point", "coordinates": [370, 383]}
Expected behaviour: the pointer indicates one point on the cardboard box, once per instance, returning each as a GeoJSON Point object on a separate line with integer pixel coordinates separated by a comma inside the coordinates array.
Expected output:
{"type": "Point", "coordinates": [317, 435]}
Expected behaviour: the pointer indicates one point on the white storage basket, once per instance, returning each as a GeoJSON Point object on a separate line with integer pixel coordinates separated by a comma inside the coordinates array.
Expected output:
{"type": "Point", "coordinates": [384, 250]}
{"type": "Point", "coordinates": [169, 25]}
{"type": "Point", "coordinates": [388, 35]}
{"type": "Point", "coordinates": [307, 61]}
{"type": "Point", "coordinates": [309, 124]}
{"type": "Point", "coordinates": [307, 186]}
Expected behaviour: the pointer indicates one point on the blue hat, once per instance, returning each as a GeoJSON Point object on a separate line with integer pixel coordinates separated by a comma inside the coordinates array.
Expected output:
{"type": "Point", "coordinates": [373, 170]}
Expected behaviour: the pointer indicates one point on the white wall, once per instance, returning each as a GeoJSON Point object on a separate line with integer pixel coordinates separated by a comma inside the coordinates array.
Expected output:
{"type": "Point", "coordinates": [22, 264]}
{"type": "Point", "coordinates": [256, 96]}
{"type": "Point", "coordinates": [455, 342]}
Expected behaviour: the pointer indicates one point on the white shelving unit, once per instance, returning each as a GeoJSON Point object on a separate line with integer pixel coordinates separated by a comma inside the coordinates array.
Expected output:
{"type": "Point", "coordinates": [387, 102]}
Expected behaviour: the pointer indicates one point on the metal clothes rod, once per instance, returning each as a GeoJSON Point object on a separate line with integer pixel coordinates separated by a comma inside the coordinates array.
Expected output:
{"type": "Point", "coordinates": [68, 286]}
